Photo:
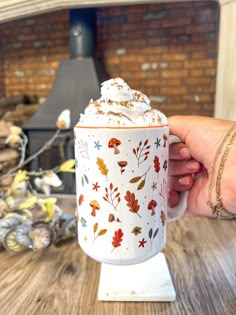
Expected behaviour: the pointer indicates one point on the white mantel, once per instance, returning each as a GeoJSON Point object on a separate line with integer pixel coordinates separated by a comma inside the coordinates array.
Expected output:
{"type": "Point", "coordinates": [225, 100]}
{"type": "Point", "coordinates": [15, 9]}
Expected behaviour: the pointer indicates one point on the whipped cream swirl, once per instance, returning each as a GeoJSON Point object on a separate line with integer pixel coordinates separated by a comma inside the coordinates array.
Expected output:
{"type": "Point", "coordinates": [120, 106]}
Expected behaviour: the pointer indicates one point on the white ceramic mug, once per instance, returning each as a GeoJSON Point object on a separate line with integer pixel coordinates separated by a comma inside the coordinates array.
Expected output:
{"type": "Point", "coordinates": [122, 189]}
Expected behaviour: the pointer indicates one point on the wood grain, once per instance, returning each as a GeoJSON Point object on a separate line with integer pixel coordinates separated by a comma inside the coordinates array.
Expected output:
{"type": "Point", "coordinates": [201, 254]}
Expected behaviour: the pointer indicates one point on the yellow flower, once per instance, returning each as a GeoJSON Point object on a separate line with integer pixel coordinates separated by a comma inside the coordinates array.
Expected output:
{"type": "Point", "coordinates": [21, 176]}
{"type": "Point", "coordinates": [29, 203]}
{"type": "Point", "coordinates": [68, 166]}
{"type": "Point", "coordinates": [48, 206]}
{"type": "Point", "coordinates": [13, 139]}
{"type": "Point", "coordinates": [15, 130]}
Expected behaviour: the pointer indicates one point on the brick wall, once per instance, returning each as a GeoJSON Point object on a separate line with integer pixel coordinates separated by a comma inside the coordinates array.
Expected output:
{"type": "Point", "coordinates": [32, 49]}
{"type": "Point", "coordinates": [169, 51]}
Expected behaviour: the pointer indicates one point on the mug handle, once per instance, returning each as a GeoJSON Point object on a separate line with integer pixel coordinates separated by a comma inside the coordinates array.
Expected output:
{"type": "Point", "coordinates": [175, 213]}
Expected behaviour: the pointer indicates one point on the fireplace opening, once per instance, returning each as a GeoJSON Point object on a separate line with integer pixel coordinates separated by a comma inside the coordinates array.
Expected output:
{"type": "Point", "coordinates": [77, 81]}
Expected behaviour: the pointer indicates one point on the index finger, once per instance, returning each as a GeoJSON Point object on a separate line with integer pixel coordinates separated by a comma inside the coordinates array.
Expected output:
{"type": "Point", "coordinates": [179, 151]}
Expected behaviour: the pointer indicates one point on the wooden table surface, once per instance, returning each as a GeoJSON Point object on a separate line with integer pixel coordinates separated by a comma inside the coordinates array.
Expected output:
{"type": "Point", "coordinates": [201, 254]}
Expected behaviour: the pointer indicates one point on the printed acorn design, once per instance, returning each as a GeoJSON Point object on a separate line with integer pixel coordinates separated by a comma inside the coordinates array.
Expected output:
{"type": "Point", "coordinates": [114, 143]}
{"type": "Point", "coordinates": [112, 218]}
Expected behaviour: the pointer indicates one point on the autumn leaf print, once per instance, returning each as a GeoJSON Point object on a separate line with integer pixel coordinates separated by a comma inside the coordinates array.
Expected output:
{"type": "Point", "coordinates": [141, 152]}
{"type": "Point", "coordinates": [142, 180]}
{"type": "Point", "coordinates": [135, 179]}
{"type": "Point", "coordinates": [117, 239]}
{"type": "Point", "coordinates": [136, 230]}
{"type": "Point", "coordinates": [156, 164]}
{"type": "Point", "coordinates": [112, 196]}
{"type": "Point", "coordinates": [80, 199]}
{"type": "Point", "coordinates": [132, 203]}
{"type": "Point", "coordinates": [151, 235]}
{"type": "Point", "coordinates": [84, 179]}
{"type": "Point", "coordinates": [95, 227]}
{"type": "Point", "coordinates": [83, 149]}
{"type": "Point", "coordinates": [100, 233]}
{"type": "Point", "coordinates": [102, 166]}
{"type": "Point", "coordinates": [163, 217]}
{"type": "Point", "coordinates": [163, 191]}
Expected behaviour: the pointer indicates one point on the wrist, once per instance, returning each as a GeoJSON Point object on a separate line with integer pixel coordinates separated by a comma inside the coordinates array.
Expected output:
{"type": "Point", "coordinates": [222, 175]}
{"type": "Point", "coordinates": [228, 187]}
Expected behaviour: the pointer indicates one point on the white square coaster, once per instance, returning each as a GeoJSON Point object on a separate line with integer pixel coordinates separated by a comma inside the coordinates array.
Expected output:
{"type": "Point", "coordinates": [148, 281]}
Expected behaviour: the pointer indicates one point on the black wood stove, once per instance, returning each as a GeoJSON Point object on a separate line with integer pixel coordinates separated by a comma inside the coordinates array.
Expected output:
{"type": "Point", "coordinates": [77, 81]}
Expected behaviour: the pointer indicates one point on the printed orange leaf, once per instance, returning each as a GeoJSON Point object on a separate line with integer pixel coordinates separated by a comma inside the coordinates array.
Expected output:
{"type": "Point", "coordinates": [138, 178]}
{"type": "Point", "coordinates": [95, 227]}
{"type": "Point", "coordinates": [132, 203]}
{"type": "Point", "coordinates": [117, 238]}
{"type": "Point", "coordinates": [102, 232]}
{"type": "Point", "coordinates": [102, 166]}
{"type": "Point", "coordinates": [135, 179]}
{"type": "Point", "coordinates": [141, 185]}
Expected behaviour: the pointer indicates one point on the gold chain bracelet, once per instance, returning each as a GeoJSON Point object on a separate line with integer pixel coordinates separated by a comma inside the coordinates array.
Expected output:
{"type": "Point", "coordinates": [218, 210]}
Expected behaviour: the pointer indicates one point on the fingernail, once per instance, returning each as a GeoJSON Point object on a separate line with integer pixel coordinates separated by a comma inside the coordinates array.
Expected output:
{"type": "Point", "coordinates": [184, 181]}
{"type": "Point", "coordinates": [193, 165]}
{"type": "Point", "coordinates": [184, 152]}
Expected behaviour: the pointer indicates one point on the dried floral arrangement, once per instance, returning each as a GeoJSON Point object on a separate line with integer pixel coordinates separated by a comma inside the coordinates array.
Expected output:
{"type": "Point", "coordinates": [30, 218]}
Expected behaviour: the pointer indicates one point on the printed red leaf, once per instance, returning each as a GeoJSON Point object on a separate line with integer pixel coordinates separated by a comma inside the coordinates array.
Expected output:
{"type": "Point", "coordinates": [132, 203]}
{"type": "Point", "coordinates": [117, 238]}
{"type": "Point", "coordinates": [146, 142]}
{"type": "Point", "coordinates": [81, 199]}
{"type": "Point", "coordinates": [156, 164]}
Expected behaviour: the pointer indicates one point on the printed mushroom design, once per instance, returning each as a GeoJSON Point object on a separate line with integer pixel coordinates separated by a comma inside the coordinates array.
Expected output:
{"type": "Point", "coordinates": [95, 206]}
{"type": "Point", "coordinates": [165, 139]}
{"type": "Point", "coordinates": [113, 143]}
{"type": "Point", "coordinates": [151, 206]}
